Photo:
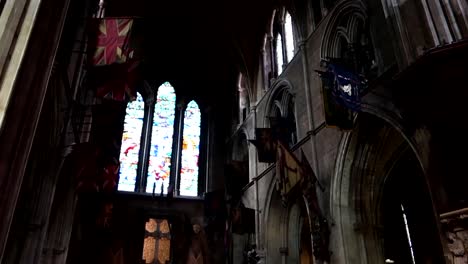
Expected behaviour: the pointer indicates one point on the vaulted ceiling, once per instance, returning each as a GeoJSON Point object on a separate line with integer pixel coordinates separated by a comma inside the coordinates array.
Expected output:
{"type": "Point", "coordinates": [203, 44]}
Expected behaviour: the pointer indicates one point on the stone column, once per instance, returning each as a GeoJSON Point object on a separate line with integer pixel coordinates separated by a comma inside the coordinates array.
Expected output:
{"type": "Point", "coordinates": [59, 232]}
{"type": "Point", "coordinates": [25, 87]}
{"type": "Point", "coordinates": [37, 191]}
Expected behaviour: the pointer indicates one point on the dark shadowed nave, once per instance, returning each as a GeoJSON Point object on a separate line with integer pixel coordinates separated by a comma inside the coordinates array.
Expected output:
{"type": "Point", "coordinates": [236, 131]}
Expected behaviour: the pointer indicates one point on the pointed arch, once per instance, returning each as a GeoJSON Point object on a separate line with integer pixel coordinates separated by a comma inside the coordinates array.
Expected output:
{"type": "Point", "coordinates": [280, 106]}
{"type": "Point", "coordinates": [190, 150]}
{"type": "Point", "coordinates": [129, 152]}
{"type": "Point", "coordinates": [377, 167]}
{"type": "Point", "coordinates": [345, 21]}
{"type": "Point", "coordinates": [161, 144]}
{"type": "Point", "coordinates": [162, 133]}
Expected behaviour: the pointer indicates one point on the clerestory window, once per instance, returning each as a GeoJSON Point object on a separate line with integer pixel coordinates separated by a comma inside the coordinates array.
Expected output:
{"type": "Point", "coordinates": [284, 41]}
{"type": "Point", "coordinates": [161, 146]}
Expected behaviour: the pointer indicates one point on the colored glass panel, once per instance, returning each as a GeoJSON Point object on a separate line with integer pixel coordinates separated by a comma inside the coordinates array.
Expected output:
{"type": "Point", "coordinates": [164, 250]}
{"type": "Point", "coordinates": [131, 144]}
{"type": "Point", "coordinates": [157, 242]}
{"type": "Point", "coordinates": [149, 250]}
{"type": "Point", "coordinates": [164, 242]}
{"type": "Point", "coordinates": [159, 166]}
{"type": "Point", "coordinates": [190, 151]}
{"type": "Point", "coordinates": [279, 54]}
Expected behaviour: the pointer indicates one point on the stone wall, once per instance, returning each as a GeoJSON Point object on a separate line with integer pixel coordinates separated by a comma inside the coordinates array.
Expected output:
{"type": "Point", "coordinates": [398, 39]}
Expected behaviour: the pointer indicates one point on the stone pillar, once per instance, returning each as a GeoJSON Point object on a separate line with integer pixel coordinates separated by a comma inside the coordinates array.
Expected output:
{"type": "Point", "coordinates": [59, 232]}
{"type": "Point", "coordinates": [38, 188]}
{"type": "Point", "coordinates": [25, 87]}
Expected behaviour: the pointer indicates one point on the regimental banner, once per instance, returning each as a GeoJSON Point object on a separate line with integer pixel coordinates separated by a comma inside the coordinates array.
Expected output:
{"type": "Point", "coordinates": [348, 87]}
{"type": "Point", "coordinates": [242, 220]}
{"type": "Point", "coordinates": [109, 41]}
{"type": "Point", "coordinates": [335, 114]}
{"type": "Point", "coordinates": [265, 141]}
{"type": "Point", "coordinates": [116, 82]}
{"type": "Point", "coordinates": [288, 170]}
{"type": "Point", "coordinates": [342, 91]}
{"type": "Point", "coordinates": [294, 174]}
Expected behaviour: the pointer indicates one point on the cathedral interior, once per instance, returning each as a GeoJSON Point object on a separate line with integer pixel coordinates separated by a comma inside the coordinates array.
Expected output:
{"type": "Point", "coordinates": [234, 131]}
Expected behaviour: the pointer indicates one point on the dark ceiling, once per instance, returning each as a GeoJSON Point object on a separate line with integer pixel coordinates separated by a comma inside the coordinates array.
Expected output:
{"type": "Point", "coordinates": [203, 44]}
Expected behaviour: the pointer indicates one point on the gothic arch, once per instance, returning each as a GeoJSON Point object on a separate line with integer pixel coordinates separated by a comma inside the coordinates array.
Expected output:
{"type": "Point", "coordinates": [345, 20]}
{"type": "Point", "coordinates": [366, 159]}
{"type": "Point", "coordinates": [280, 96]}
{"type": "Point", "coordinates": [283, 226]}
{"type": "Point", "coordinates": [281, 108]}
{"type": "Point", "coordinates": [275, 215]}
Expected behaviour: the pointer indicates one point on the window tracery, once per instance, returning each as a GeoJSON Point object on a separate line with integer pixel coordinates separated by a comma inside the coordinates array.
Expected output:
{"type": "Point", "coordinates": [148, 149]}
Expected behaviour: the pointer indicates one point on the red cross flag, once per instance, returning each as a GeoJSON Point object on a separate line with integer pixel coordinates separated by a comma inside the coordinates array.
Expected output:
{"type": "Point", "coordinates": [111, 41]}
{"type": "Point", "coordinates": [116, 82]}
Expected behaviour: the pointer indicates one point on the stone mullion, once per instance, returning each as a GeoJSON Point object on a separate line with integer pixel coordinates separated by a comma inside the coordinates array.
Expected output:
{"type": "Point", "coordinates": [38, 188]}
{"type": "Point", "coordinates": [145, 146]}
{"type": "Point", "coordinates": [177, 148]}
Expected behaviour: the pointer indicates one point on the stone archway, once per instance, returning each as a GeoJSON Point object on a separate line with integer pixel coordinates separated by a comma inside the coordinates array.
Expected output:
{"type": "Point", "coordinates": [288, 236]}
{"type": "Point", "coordinates": [299, 242]}
{"type": "Point", "coordinates": [366, 162]}
{"type": "Point", "coordinates": [276, 223]}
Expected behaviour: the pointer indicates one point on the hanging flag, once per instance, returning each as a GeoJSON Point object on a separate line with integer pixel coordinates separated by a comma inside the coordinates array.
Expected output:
{"type": "Point", "coordinates": [336, 115]}
{"type": "Point", "coordinates": [347, 87]}
{"type": "Point", "coordinates": [242, 219]}
{"type": "Point", "coordinates": [288, 170]}
{"type": "Point", "coordinates": [342, 90]}
{"type": "Point", "coordinates": [319, 224]}
{"type": "Point", "coordinates": [308, 187]}
{"type": "Point", "coordinates": [265, 142]}
{"type": "Point", "coordinates": [116, 82]}
{"type": "Point", "coordinates": [307, 172]}
{"type": "Point", "coordinates": [109, 40]}
{"type": "Point", "coordinates": [281, 128]}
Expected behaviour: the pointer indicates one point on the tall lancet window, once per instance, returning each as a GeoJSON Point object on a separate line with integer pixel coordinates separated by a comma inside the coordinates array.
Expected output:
{"type": "Point", "coordinates": [190, 150]}
{"type": "Point", "coordinates": [279, 54]}
{"type": "Point", "coordinates": [284, 41]}
{"type": "Point", "coordinates": [130, 149]}
{"type": "Point", "coordinates": [159, 167]}
{"type": "Point", "coordinates": [150, 160]}
{"type": "Point", "coordinates": [288, 30]}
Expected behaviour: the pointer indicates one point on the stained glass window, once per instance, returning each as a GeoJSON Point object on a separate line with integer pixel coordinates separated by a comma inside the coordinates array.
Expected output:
{"type": "Point", "coordinates": [288, 27]}
{"type": "Point", "coordinates": [131, 144]}
{"type": "Point", "coordinates": [279, 54]}
{"type": "Point", "coordinates": [157, 242]}
{"type": "Point", "coordinates": [160, 133]}
{"type": "Point", "coordinates": [159, 166]}
{"type": "Point", "coordinates": [190, 151]}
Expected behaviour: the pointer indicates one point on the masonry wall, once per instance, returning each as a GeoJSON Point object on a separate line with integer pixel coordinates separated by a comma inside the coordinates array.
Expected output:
{"type": "Point", "coordinates": [398, 39]}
